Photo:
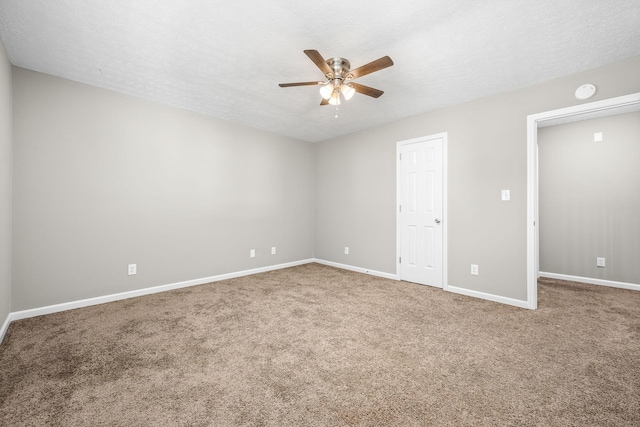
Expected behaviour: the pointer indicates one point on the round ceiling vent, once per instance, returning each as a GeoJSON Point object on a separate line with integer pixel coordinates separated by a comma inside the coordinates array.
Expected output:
{"type": "Point", "coordinates": [585, 91]}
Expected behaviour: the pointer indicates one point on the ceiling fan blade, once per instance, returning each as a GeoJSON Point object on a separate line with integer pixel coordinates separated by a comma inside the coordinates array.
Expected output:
{"type": "Point", "coordinates": [300, 84]}
{"type": "Point", "coordinates": [366, 90]}
{"type": "Point", "coordinates": [371, 67]}
{"type": "Point", "coordinates": [324, 102]}
{"type": "Point", "coordinates": [317, 59]}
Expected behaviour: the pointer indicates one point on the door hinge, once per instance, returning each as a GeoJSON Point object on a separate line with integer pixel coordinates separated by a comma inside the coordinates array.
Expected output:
{"type": "Point", "coordinates": [400, 260]}
{"type": "Point", "coordinates": [400, 156]}
{"type": "Point", "coordinates": [399, 208]}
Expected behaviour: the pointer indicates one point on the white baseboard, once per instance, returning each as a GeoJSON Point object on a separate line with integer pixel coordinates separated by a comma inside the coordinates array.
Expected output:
{"type": "Point", "coordinates": [357, 269]}
{"type": "Point", "coordinates": [591, 281]}
{"type": "Point", "coordinates": [5, 326]}
{"type": "Point", "coordinates": [490, 297]}
{"type": "Point", "coordinates": [23, 314]}
{"type": "Point", "coordinates": [454, 289]}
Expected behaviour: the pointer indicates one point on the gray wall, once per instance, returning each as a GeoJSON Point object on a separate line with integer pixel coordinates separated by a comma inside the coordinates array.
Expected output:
{"type": "Point", "coordinates": [5, 185]}
{"type": "Point", "coordinates": [356, 182]}
{"type": "Point", "coordinates": [590, 198]}
{"type": "Point", "coordinates": [102, 180]}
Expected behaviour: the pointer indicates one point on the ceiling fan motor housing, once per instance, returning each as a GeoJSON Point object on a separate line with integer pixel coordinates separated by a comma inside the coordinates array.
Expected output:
{"type": "Point", "coordinates": [340, 67]}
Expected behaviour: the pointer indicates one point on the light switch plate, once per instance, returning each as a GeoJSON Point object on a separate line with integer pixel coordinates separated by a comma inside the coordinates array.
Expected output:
{"type": "Point", "coordinates": [597, 137]}
{"type": "Point", "coordinates": [506, 195]}
{"type": "Point", "coordinates": [600, 262]}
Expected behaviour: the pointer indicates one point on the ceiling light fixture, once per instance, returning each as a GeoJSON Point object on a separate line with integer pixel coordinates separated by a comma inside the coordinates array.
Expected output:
{"type": "Point", "coordinates": [340, 77]}
{"type": "Point", "coordinates": [335, 97]}
{"type": "Point", "coordinates": [326, 90]}
{"type": "Point", "coordinates": [331, 91]}
{"type": "Point", "coordinates": [347, 91]}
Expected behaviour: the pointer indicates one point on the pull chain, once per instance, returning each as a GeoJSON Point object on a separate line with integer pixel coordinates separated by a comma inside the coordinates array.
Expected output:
{"type": "Point", "coordinates": [337, 111]}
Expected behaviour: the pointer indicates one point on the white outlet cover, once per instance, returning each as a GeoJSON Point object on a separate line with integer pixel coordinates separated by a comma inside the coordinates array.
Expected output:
{"type": "Point", "coordinates": [506, 195]}
{"type": "Point", "coordinates": [474, 269]}
{"type": "Point", "coordinates": [600, 262]}
{"type": "Point", "coordinates": [597, 137]}
{"type": "Point", "coordinates": [273, 250]}
{"type": "Point", "coordinates": [132, 269]}
{"type": "Point", "coordinates": [346, 250]}
{"type": "Point", "coordinates": [252, 253]}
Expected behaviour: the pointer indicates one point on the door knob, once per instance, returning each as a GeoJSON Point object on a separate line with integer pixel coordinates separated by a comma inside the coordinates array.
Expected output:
{"type": "Point", "coordinates": [437, 220]}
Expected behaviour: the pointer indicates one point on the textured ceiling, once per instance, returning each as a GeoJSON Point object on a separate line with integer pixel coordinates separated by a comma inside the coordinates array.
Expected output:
{"type": "Point", "coordinates": [226, 58]}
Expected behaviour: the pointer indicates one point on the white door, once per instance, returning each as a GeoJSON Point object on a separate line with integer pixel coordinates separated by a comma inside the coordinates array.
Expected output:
{"type": "Point", "coordinates": [420, 211]}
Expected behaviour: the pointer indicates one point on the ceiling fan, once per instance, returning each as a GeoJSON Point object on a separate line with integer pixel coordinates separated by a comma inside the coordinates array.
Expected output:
{"type": "Point", "coordinates": [340, 77]}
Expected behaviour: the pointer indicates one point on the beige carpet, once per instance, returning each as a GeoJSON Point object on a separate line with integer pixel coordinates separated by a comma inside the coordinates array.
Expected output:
{"type": "Point", "coordinates": [317, 346]}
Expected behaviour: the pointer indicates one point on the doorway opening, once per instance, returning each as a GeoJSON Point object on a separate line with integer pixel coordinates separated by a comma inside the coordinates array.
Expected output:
{"type": "Point", "coordinates": [618, 105]}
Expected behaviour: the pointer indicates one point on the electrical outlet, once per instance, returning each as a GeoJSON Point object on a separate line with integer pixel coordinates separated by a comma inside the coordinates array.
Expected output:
{"type": "Point", "coordinates": [132, 269]}
{"type": "Point", "coordinates": [506, 195]}
{"type": "Point", "coordinates": [252, 253]}
{"type": "Point", "coordinates": [273, 250]}
{"type": "Point", "coordinates": [474, 269]}
{"type": "Point", "coordinates": [600, 262]}
{"type": "Point", "coordinates": [346, 250]}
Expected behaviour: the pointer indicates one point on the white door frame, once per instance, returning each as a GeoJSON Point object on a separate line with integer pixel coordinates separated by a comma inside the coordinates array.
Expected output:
{"type": "Point", "coordinates": [443, 136]}
{"type": "Point", "coordinates": [533, 121]}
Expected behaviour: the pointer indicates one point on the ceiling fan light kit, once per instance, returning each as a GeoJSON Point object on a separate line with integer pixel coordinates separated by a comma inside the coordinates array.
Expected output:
{"type": "Point", "coordinates": [347, 91]}
{"type": "Point", "coordinates": [326, 91]}
{"type": "Point", "coordinates": [335, 98]}
{"type": "Point", "coordinates": [340, 78]}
